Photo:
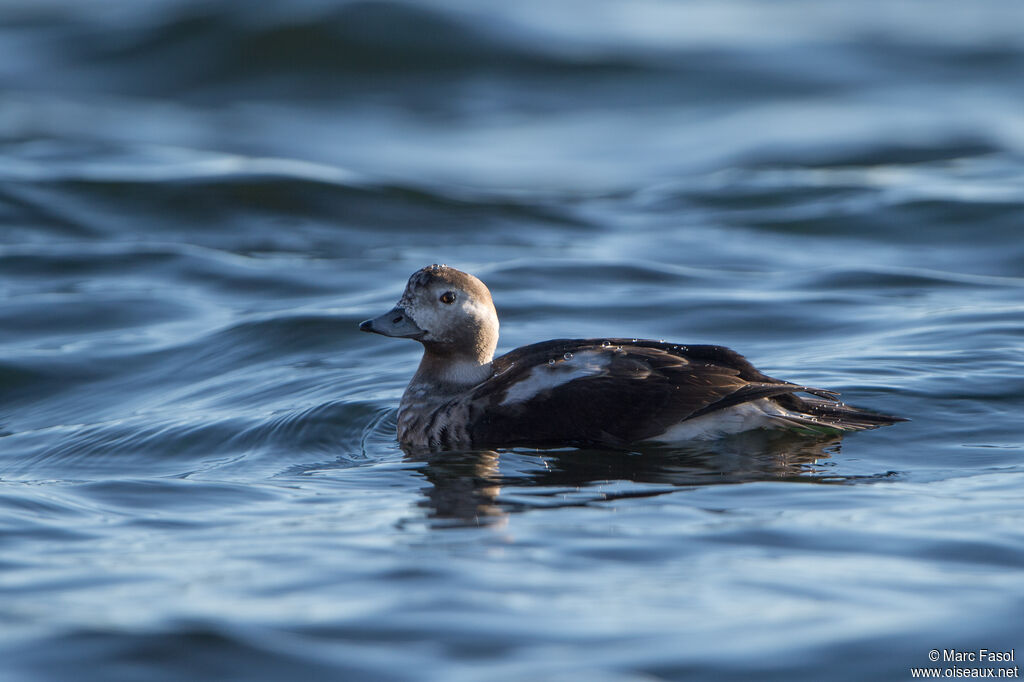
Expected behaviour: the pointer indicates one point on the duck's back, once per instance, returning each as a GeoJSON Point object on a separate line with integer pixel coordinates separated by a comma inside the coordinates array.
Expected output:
{"type": "Point", "coordinates": [612, 392]}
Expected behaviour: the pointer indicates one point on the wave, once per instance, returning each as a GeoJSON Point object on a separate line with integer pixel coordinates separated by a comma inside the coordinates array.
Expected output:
{"type": "Point", "coordinates": [336, 49]}
{"type": "Point", "coordinates": [440, 61]}
{"type": "Point", "coordinates": [216, 649]}
{"type": "Point", "coordinates": [204, 46]}
{"type": "Point", "coordinates": [282, 205]}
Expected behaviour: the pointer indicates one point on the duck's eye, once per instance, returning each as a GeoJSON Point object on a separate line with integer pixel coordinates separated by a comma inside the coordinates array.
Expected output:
{"type": "Point", "coordinates": [448, 297]}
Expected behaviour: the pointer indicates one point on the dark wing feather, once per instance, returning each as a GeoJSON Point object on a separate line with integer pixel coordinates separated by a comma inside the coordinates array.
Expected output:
{"type": "Point", "coordinates": [644, 388]}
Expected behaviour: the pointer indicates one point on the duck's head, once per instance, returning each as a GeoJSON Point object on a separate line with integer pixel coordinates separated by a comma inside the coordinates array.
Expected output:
{"type": "Point", "coordinates": [449, 311]}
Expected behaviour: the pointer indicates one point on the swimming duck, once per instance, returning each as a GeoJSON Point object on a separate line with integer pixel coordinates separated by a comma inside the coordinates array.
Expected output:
{"type": "Point", "coordinates": [578, 392]}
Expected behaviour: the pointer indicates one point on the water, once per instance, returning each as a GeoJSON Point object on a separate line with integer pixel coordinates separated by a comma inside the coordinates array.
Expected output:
{"type": "Point", "coordinates": [200, 201]}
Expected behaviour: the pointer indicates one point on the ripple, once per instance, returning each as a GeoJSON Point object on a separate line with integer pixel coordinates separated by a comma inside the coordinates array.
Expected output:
{"type": "Point", "coordinates": [335, 427]}
{"type": "Point", "coordinates": [183, 497]}
{"type": "Point", "coordinates": [886, 154]}
{"type": "Point", "coordinates": [897, 278]}
{"type": "Point", "coordinates": [123, 447]}
{"type": "Point", "coordinates": [250, 653]}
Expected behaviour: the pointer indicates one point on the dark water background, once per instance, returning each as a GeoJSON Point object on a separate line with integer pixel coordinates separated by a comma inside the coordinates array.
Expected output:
{"type": "Point", "coordinates": [199, 201]}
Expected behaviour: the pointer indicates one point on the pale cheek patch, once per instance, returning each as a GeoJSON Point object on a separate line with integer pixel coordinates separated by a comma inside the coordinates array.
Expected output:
{"type": "Point", "coordinates": [425, 317]}
{"type": "Point", "coordinates": [546, 377]}
{"type": "Point", "coordinates": [439, 320]}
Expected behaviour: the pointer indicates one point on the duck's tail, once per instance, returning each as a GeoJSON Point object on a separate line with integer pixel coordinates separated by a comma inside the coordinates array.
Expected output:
{"type": "Point", "coordinates": [818, 414]}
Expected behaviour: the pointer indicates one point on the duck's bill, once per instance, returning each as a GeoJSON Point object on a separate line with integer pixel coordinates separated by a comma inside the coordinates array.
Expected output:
{"type": "Point", "coordinates": [396, 322]}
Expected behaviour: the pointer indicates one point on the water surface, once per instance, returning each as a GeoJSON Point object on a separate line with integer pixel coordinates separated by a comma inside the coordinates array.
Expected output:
{"type": "Point", "coordinates": [200, 201]}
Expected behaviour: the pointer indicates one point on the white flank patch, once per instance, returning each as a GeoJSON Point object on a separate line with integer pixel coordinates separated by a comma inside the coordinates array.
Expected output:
{"type": "Point", "coordinates": [547, 376]}
{"type": "Point", "coordinates": [756, 414]}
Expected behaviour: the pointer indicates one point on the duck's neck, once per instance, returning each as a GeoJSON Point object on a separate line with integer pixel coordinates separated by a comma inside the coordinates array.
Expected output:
{"type": "Point", "coordinates": [450, 373]}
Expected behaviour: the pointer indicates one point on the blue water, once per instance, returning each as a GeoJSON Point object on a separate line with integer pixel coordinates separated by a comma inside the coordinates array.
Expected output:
{"type": "Point", "coordinates": [199, 201]}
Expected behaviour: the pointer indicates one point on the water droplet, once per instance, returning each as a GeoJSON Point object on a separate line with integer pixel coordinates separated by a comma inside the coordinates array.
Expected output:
{"type": "Point", "coordinates": [551, 362]}
{"type": "Point", "coordinates": [618, 349]}
{"type": "Point", "coordinates": [661, 340]}
{"type": "Point", "coordinates": [634, 340]}
{"type": "Point", "coordinates": [567, 356]}
{"type": "Point", "coordinates": [606, 344]}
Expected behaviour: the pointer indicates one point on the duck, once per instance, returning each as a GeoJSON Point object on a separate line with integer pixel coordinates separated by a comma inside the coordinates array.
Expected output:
{"type": "Point", "coordinates": [607, 393]}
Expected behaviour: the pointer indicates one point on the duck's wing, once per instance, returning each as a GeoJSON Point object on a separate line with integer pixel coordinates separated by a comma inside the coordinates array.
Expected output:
{"type": "Point", "coordinates": [612, 391]}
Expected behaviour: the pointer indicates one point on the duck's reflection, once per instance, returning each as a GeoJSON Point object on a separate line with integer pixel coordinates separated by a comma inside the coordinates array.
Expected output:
{"type": "Point", "coordinates": [482, 487]}
{"type": "Point", "coordinates": [464, 486]}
